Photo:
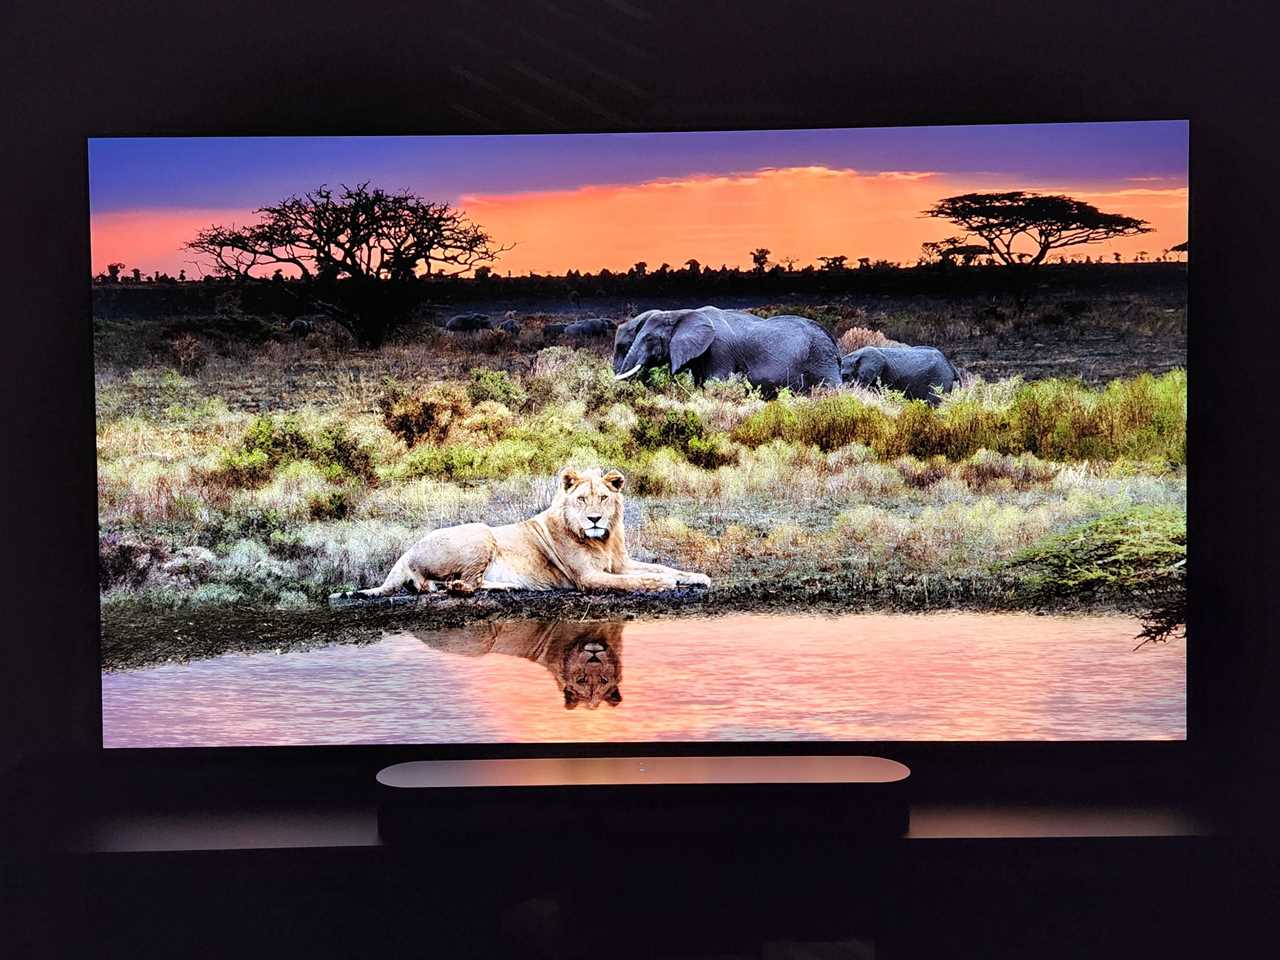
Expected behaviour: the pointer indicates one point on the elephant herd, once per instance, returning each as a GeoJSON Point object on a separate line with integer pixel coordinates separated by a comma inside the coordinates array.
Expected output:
{"type": "Point", "coordinates": [771, 353]}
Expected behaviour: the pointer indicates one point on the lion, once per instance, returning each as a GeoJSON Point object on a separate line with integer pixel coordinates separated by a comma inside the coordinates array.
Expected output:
{"type": "Point", "coordinates": [584, 659]}
{"type": "Point", "coordinates": [579, 542]}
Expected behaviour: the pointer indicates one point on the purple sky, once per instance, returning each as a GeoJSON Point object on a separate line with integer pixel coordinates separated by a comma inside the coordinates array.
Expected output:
{"type": "Point", "coordinates": [240, 173]}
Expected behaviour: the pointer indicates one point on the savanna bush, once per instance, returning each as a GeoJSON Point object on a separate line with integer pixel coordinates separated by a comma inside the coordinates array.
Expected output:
{"type": "Point", "coordinates": [489, 419]}
{"type": "Point", "coordinates": [330, 505]}
{"type": "Point", "coordinates": [273, 441]}
{"type": "Point", "coordinates": [562, 375]}
{"type": "Point", "coordinates": [497, 386]}
{"type": "Point", "coordinates": [659, 427]}
{"type": "Point", "coordinates": [711, 451]}
{"type": "Point", "coordinates": [922, 473]}
{"type": "Point", "coordinates": [543, 445]}
{"type": "Point", "coordinates": [189, 351]}
{"type": "Point", "coordinates": [425, 414]}
{"type": "Point", "coordinates": [855, 338]}
{"type": "Point", "coordinates": [1135, 557]}
{"type": "Point", "coordinates": [1141, 419]}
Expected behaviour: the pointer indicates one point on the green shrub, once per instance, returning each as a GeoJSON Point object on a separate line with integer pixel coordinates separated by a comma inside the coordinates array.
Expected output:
{"type": "Point", "coordinates": [427, 414]}
{"type": "Point", "coordinates": [660, 380]}
{"type": "Point", "coordinates": [563, 375]}
{"type": "Point", "coordinates": [498, 386]}
{"type": "Point", "coordinates": [333, 505]}
{"type": "Point", "coordinates": [828, 422]}
{"type": "Point", "coordinates": [711, 451]}
{"type": "Point", "coordinates": [1135, 558]}
{"type": "Point", "coordinates": [270, 442]}
{"type": "Point", "coordinates": [244, 468]}
{"type": "Point", "coordinates": [340, 455]}
{"type": "Point", "coordinates": [540, 446]}
{"type": "Point", "coordinates": [1141, 419]}
{"type": "Point", "coordinates": [489, 418]}
{"type": "Point", "coordinates": [666, 428]}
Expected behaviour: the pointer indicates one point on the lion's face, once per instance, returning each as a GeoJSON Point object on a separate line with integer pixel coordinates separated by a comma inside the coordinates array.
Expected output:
{"type": "Point", "coordinates": [591, 674]}
{"type": "Point", "coordinates": [591, 502]}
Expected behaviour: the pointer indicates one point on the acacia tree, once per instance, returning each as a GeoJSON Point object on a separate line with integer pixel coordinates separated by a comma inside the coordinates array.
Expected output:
{"type": "Point", "coordinates": [760, 258]}
{"type": "Point", "coordinates": [355, 250]}
{"type": "Point", "coordinates": [1049, 223]}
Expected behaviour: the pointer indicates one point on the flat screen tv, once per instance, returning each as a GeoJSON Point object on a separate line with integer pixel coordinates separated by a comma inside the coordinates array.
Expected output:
{"type": "Point", "coordinates": [758, 436]}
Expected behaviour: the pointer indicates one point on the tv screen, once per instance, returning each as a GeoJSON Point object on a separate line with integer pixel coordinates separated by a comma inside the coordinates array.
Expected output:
{"type": "Point", "coordinates": [779, 435]}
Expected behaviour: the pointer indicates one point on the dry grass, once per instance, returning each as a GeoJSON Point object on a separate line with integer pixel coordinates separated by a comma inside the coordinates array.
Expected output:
{"type": "Point", "coordinates": [328, 487]}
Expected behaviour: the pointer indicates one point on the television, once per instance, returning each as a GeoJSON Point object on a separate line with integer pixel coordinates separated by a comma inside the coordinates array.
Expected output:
{"type": "Point", "coordinates": [738, 440]}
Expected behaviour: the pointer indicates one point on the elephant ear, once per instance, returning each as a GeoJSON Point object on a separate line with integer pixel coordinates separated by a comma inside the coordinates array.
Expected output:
{"type": "Point", "coordinates": [869, 368]}
{"type": "Point", "coordinates": [691, 339]}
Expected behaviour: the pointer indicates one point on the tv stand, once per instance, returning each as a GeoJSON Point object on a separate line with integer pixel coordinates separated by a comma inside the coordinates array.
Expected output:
{"type": "Point", "coordinates": [850, 795]}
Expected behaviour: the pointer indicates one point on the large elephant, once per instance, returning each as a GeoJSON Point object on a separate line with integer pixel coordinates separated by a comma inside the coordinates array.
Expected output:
{"type": "Point", "coordinates": [917, 371]}
{"type": "Point", "coordinates": [715, 344]}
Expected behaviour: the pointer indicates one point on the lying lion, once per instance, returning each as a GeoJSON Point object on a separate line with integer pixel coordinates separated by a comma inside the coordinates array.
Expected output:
{"type": "Point", "coordinates": [578, 542]}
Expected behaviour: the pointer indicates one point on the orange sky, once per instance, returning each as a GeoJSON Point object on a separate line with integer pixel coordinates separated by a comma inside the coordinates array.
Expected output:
{"type": "Point", "coordinates": [800, 212]}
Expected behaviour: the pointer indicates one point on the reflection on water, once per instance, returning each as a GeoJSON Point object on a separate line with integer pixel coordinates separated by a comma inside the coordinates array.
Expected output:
{"type": "Point", "coordinates": [584, 659]}
{"type": "Point", "coordinates": [956, 676]}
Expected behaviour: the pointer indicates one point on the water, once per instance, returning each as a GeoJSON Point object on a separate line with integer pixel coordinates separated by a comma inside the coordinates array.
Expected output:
{"type": "Point", "coordinates": [954, 676]}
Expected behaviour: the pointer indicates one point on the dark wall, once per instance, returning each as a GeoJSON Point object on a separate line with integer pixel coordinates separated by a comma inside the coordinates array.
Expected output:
{"type": "Point", "coordinates": [244, 67]}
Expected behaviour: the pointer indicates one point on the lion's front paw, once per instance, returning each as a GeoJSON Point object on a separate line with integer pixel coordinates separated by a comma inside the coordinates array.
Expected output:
{"type": "Point", "coordinates": [693, 580]}
{"type": "Point", "coordinates": [460, 586]}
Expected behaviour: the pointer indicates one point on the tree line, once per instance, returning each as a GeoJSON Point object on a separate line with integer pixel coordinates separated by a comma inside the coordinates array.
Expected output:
{"type": "Point", "coordinates": [362, 255]}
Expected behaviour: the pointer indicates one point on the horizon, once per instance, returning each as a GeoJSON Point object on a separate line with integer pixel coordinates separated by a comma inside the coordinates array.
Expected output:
{"type": "Point", "coordinates": [589, 202]}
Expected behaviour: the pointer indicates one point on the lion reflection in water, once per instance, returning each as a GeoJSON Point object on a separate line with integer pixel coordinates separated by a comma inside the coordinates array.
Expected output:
{"type": "Point", "coordinates": [584, 658]}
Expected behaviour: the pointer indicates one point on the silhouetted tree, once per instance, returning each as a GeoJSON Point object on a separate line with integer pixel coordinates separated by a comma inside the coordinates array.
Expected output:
{"type": "Point", "coordinates": [693, 266]}
{"type": "Point", "coordinates": [833, 264]}
{"type": "Point", "coordinates": [760, 257]}
{"type": "Point", "coordinates": [639, 269]}
{"type": "Point", "coordinates": [950, 250]}
{"type": "Point", "coordinates": [1048, 222]}
{"type": "Point", "coordinates": [113, 272]}
{"type": "Point", "coordinates": [346, 244]}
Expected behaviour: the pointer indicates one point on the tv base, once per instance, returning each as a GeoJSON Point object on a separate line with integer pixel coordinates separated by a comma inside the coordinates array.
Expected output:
{"type": "Point", "coordinates": [431, 800]}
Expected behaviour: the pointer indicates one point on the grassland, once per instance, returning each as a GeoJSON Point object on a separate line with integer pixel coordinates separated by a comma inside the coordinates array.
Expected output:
{"type": "Point", "coordinates": [242, 475]}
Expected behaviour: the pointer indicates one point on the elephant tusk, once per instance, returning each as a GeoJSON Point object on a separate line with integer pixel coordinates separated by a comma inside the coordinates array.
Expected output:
{"type": "Point", "coordinates": [630, 373]}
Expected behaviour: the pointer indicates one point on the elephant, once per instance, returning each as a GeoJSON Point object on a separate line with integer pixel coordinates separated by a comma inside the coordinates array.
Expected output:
{"type": "Point", "coordinates": [916, 371]}
{"type": "Point", "coordinates": [594, 327]}
{"type": "Point", "coordinates": [550, 330]}
{"type": "Point", "coordinates": [468, 321]}
{"type": "Point", "coordinates": [714, 344]}
{"type": "Point", "coordinates": [511, 325]}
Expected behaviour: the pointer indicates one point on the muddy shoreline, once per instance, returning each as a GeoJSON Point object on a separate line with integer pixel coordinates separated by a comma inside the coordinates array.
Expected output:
{"type": "Point", "coordinates": [139, 635]}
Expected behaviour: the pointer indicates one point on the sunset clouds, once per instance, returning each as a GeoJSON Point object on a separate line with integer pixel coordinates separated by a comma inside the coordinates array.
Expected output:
{"type": "Point", "coordinates": [799, 212]}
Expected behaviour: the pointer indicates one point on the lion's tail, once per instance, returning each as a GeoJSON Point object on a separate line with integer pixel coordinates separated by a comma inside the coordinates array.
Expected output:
{"type": "Point", "coordinates": [395, 580]}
